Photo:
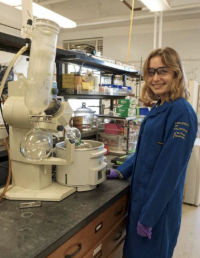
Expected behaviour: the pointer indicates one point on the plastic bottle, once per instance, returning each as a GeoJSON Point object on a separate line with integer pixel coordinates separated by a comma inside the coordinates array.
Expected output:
{"type": "Point", "coordinates": [101, 88]}
{"type": "Point", "coordinates": [120, 89]}
{"type": "Point", "coordinates": [106, 89]}
{"type": "Point", "coordinates": [115, 89]}
{"type": "Point", "coordinates": [125, 89]}
{"type": "Point", "coordinates": [110, 89]}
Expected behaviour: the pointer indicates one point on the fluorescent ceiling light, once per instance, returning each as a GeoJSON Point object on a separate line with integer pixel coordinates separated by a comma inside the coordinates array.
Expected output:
{"type": "Point", "coordinates": [42, 12]}
{"type": "Point", "coordinates": [12, 2]}
{"type": "Point", "coordinates": [156, 5]}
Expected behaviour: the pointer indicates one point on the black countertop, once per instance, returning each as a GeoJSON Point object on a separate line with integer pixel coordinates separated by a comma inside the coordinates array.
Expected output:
{"type": "Point", "coordinates": [36, 232]}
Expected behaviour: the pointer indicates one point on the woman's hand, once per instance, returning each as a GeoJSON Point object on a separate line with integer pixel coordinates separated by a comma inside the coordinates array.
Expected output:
{"type": "Point", "coordinates": [112, 173]}
{"type": "Point", "coordinates": [144, 231]}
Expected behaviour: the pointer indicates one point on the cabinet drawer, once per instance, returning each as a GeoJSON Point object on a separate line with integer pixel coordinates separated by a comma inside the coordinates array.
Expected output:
{"type": "Point", "coordinates": [118, 251]}
{"type": "Point", "coordinates": [91, 234]}
{"type": "Point", "coordinates": [105, 246]}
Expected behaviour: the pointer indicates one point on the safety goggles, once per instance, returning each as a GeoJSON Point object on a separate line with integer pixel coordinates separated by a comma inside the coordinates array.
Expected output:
{"type": "Point", "coordinates": [161, 71]}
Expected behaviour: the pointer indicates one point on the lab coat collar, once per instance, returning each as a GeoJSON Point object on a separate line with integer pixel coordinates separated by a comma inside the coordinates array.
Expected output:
{"type": "Point", "coordinates": [157, 109]}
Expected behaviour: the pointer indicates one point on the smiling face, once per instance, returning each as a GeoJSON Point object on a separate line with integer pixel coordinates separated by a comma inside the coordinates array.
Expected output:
{"type": "Point", "coordinates": [160, 81]}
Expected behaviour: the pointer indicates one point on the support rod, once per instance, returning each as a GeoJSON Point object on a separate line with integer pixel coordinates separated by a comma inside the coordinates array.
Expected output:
{"type": "Point", "coordinates": [155, 29]}
{"type": "Point", "coordinates": [160, 30]}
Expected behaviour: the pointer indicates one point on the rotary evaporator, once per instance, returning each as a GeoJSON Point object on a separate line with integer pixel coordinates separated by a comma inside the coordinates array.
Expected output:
{"type": "Point", "coordinates": [33, 117]}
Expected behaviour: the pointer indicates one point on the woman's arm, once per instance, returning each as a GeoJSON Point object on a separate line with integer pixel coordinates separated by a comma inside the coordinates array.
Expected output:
{"type": "Point", "coordinates": [126, 168]}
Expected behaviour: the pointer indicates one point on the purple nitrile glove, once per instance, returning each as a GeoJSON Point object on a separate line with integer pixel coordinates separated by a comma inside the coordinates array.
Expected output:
{"type": "Point", "coordinates": [112, 173]}
{"type": "Point", "coordinates": [144, 231]}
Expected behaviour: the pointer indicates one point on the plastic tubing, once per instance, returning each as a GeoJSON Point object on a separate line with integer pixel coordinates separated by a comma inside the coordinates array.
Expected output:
{"type": "Point", "coordinates": [21, 51]}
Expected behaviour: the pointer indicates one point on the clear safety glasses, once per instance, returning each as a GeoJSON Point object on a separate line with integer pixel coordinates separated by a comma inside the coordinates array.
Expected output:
{"type": "Point", "coordinates": [161, 71]}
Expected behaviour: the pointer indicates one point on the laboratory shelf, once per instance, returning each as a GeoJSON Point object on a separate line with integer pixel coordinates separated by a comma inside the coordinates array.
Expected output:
{"type": "Point", "coordinates": [12, 44]}
{"type": "Point", "coordinates": [93, 63]}
{"type": "Point", "coordinates": [92, 96]}
{"type": "Point", "coordinates": [122, 118]}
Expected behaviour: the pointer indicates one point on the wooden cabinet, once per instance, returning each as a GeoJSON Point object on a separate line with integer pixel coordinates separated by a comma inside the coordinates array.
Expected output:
{"type": "Point", "coordinates": [118, 251]}
{"type": "Point", "coordinates": [106, 245]}
{"type": "Point", "coordinates": [99, 237]}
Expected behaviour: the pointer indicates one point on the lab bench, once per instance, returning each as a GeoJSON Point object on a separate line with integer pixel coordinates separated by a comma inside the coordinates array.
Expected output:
{"type": "Point", "coordinates": [85, 224]}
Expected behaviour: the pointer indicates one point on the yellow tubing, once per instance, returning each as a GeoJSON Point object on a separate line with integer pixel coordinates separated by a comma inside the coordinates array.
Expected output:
{"type": "Point", "coordinates": [130, 31]}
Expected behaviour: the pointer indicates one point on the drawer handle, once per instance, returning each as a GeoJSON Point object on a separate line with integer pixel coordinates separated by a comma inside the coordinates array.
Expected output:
{"type": "Point", "coordinates": [117, 238]}
{"type": "Point", "coordinates": [119, 212]}
{"type": "Point", "coordinates": [72, 255]}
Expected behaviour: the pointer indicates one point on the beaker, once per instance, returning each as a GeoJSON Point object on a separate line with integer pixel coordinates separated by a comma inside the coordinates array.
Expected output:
{"type": "Point", "coordinates": [41, 64]}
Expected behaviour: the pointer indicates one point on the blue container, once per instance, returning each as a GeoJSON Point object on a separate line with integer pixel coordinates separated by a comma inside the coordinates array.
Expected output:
{"type": "Point", "coordinates": [144, 111]}
{"type": "Point", "coordinates": [129, 89]}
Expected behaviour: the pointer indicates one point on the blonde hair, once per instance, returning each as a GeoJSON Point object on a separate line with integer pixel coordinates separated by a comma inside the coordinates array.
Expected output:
{"type": "Point", "coordinates": [170, 59]}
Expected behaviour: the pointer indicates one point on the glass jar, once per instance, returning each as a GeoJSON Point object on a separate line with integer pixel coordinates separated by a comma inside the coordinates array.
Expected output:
{"type": "Point", "coordinates": [86, 113]}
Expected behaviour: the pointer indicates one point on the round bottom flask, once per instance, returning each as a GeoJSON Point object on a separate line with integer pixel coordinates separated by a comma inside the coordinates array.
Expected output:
{"type": "Point", "coordinates": [73, 134]}
{"type": "Point", "coordinates": [36, 145]}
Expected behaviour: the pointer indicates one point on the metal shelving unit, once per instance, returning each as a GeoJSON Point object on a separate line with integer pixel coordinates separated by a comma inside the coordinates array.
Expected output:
{"type": "Point", "coordinates": [13, 44]}
{"type": "Point", "coordinates": [115, 135]}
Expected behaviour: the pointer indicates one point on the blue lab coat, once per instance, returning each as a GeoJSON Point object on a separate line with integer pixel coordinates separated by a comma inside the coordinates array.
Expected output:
{"type": "Point", "coordinates": [158, 170]}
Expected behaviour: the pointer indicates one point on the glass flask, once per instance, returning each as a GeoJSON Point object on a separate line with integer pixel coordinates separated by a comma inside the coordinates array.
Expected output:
{"type": "Point", "coordinates": [73, 133]}
{"type": "Point", "coordinates": [36, 145]}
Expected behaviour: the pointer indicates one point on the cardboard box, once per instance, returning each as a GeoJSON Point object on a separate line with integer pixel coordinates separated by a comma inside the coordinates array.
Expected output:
{"type": "Point", "coordinates": [127, 103]}
{"type": "Point", "coordinates": [67, 85]}
{"type": "Point", "coordinates": [125, 112]}
{"type": "Point", "coordinates": [68, 76]}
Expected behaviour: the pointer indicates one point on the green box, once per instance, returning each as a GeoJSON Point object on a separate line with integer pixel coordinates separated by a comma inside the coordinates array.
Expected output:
{"type": "Point", "coordinates": [125, 112]}
{"type": "Point", "coordinates": [126, 103]}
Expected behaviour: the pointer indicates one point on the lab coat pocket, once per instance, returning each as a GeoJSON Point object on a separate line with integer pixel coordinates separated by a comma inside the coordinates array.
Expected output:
{"type": "Point", "coordinates": [151, 150]}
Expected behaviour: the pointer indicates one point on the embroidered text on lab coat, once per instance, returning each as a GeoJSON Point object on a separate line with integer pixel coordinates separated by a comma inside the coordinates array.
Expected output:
{"type": "Point", "coordinates": [180, 130]}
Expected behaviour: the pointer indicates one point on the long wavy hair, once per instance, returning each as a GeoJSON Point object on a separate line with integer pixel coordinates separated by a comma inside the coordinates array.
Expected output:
{"type": "Point", "coordinates": [178, 87]}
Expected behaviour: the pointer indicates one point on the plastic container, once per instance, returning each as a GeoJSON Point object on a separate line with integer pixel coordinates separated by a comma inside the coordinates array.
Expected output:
{"type": "Point", "coordinates": [120, 89]}
{"type": "Point", "coordinates": [142, 111]}
{"type": "Point", "coordinates": [101, 89]}
{"type": "Point", "coordinates": [114, 142]}
{"type": "Point", "coordinates": [41, 65]}
{"type": "Point", "coordinates": [110, 89]}
{"type": "Point", "coordinates": [106, 89]}
{"type": "Point", "coordinates": [113, 128]}
{"type": "Point", "coordinates": [115, 89]}
{"type": "Point", "coordinates": [125, 89]}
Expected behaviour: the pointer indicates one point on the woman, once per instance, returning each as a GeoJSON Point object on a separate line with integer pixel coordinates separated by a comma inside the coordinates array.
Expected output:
{"type": "Point", "coordinates": [158, 168]}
